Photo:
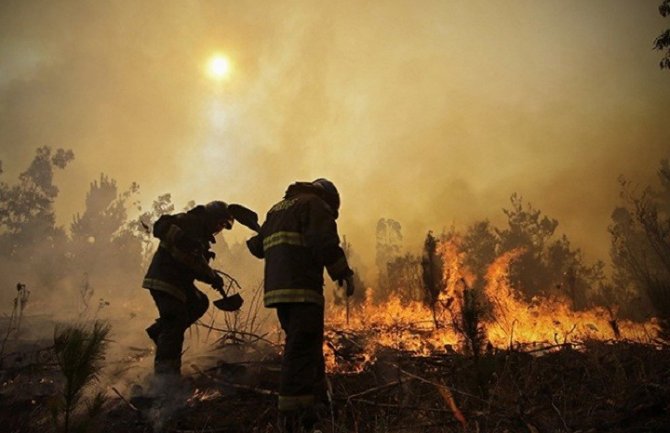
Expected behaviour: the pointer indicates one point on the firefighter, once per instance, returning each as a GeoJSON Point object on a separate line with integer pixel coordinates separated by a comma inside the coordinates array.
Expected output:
{"type": "Point", "coordinates": [181, 258]}
{"type": "Point", "coordinates": [297, 240]}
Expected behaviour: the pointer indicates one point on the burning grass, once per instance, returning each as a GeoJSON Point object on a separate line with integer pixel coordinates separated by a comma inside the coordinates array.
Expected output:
{"type": "Point", "coordinates": [605, 386]}
{"type": "Point", "coordinates": [481, 359]}
{"type": "Point", "coordinates": [613, 386]}
{"type": "Point", "coordinates": [496, 316]}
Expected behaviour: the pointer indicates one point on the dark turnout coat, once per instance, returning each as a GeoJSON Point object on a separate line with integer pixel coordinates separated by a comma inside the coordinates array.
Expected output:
{"type": "Point", "coordinates": [298, 239]}
{"type": "Point", "coordinates": [183, 254]}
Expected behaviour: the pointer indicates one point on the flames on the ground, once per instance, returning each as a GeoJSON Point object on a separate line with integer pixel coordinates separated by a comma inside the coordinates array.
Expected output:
{"type": "Point", "coordinates": [200, 395]}
{"type": "Point", "coordinates": [413, 327]}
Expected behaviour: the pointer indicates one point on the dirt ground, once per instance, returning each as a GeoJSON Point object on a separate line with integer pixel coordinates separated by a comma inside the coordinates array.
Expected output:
{"type": "Point", "coordinates": [588, 387]}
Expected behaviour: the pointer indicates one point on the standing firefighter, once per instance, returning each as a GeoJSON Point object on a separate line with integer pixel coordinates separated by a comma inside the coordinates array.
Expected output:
{"type": "Point", "coordinates": [182, 258]}
{"type": "Point", "coordinates": [298, 239]}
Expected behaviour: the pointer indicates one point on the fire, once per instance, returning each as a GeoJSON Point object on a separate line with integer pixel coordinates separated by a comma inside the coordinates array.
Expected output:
{"type": "Point", "coordinates": [404, 326]}
{"type": "Point", "coordinates": [201, 395]}
{"type": "Point", "coordinates": [412, 326]}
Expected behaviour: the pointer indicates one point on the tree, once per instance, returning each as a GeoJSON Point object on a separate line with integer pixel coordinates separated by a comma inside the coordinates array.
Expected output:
{"type": "Point", "coordinates": [547, 266]}
{"type": "Point", "coordinates": [31, 245]}
{"type": "Point", "coordinates": [662, 42]}
{"type": "Point", "coordinates": [103, 242]}
{"type": "Point", "coordinates": [389, 241]}
{"type": "Point", "coordinates": [27, 207]}
{"type": "Point", "coordinates": [404, 277]}
{"type": "Point", "coordinates": [432, 270]}
{"type": "Point", "coordinates": [571, 277]}
{"type": "Point", "coordinates": [481, 243]}
{"type": "Point", "coordinates": [470, 322]}
{"type": "Point", "coordinates": [79, 352]}
{"type": "Point", "coordinates": [105, 212]}
{"type": "Point", "coordinates": [640, 249]}
{"type": "Point", "coordinates": [529, 230]}
{"type": "Point", "coordinates": [142, 225]}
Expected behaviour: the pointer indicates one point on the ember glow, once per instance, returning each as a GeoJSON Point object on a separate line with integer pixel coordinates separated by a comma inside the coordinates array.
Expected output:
{"type": "Point", "coordinates": [512, 322]}
{"type": "Point", "coordinates": [200, 395]}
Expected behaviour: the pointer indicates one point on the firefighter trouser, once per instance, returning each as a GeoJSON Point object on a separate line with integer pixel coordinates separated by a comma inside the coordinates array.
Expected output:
{"type": "Point", "coordinates": [302, 381]}
{"type": "Point", "coordinates": [168, 330]}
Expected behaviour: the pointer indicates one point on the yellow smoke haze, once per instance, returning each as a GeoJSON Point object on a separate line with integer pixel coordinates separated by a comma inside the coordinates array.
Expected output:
{"type": "Point", "coordinates": [431, 112]}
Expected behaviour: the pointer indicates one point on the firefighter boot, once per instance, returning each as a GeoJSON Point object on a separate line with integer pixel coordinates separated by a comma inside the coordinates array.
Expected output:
{"type": "Point", "coordinates": [305, 420]}
{"type": "Point", "coordinates": [289, 422]}
{"type": "Point", "coordinates": [310, 420]}
{"type": "Point", "coordinates": [154, 331]}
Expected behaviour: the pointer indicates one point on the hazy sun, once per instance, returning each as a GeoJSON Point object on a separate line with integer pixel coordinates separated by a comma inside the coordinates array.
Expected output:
{"type": "Point", "coordinates": [218, 67]}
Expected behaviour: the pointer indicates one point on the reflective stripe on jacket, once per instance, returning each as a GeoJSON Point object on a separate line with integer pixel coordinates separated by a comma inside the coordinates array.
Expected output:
{"type": "Point", "coordinates": [181, 256]}
{"type": "Point", "coordinates": [298, 239]}
{"type": "Point", "coordinates": [162, 286]}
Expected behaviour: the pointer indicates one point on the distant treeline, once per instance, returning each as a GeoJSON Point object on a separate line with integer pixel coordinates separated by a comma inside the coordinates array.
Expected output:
{"type": "Point", "coordinates": [100, 257]}
{"type": "Point", "coordinates": [549, 265]}
{"type": "Point", "coordinates": [105, 250]}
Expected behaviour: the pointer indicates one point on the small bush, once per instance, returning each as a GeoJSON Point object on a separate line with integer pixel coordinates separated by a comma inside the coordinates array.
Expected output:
{"type": "Point", "coordinates": [79, 352]}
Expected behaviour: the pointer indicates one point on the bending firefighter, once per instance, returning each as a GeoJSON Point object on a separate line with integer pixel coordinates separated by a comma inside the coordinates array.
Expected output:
{"type": "Point", "coordinates": [298, 239]}
{"type": "Point", "coordinates": [182, 258]}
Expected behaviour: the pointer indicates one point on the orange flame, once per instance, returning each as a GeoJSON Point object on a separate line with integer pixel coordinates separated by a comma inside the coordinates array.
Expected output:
{"type": "Point", "coordinates": [413, 327]}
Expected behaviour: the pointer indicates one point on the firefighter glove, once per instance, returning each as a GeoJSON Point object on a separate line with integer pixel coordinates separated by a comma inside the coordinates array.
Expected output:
{"type": "Point", "coordinates": [348, 282]}
{"type": "Point", "coordinates": [217, 282]}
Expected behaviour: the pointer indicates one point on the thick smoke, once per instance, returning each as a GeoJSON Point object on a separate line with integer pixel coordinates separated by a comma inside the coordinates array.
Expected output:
{"type": "Point", "coordinates": [431, 113]}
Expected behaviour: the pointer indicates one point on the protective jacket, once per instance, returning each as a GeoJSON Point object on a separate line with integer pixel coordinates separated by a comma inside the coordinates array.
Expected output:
{"type": "Point", "coordinates": [297, 240]}
{"type": "Point", "coordinates": [182, 255]}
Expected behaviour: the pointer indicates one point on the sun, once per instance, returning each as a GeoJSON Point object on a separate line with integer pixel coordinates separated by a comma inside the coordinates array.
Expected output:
{"type": "Point", "coordinates": [218, 67]}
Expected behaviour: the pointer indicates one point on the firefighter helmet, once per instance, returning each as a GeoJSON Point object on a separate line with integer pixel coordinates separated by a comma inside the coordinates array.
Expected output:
{"type": "Point", "coordinates": [218, 215]}
{"type": "Point", "coordinates": [328, 192]}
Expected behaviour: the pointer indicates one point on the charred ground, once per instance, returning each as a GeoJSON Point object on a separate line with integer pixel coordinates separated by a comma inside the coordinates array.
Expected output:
{"type": "Point", "coordinates": [592, 386]}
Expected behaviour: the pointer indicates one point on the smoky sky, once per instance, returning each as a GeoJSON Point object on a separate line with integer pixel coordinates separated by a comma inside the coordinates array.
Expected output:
{"type": "Point", "coordinates": [428, 112]}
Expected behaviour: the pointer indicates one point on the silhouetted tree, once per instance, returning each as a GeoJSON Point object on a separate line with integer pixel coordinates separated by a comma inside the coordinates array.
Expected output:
{"type": "Point", "coordinates": [641, 243]}
{"type": "Point", "coordinates": [103, 244]}
{"type": "Point", "coordinates": [546, 265]}
{"type": "Point", "coordinates": [389, 240]}
{"type": "Point", "coordinates": [31, 245]}
{"type": "Point", "coordinates": [481, 243]}
{"type": "Point", "coordinates": [142, 225]}
{"type": "Point", "coordinates": [105, 212]}
{"type": "Point", "coordinates": [573, 278]}
{"type": "Point", "coordinates": [27, 207]}
{"type": "Point", "coordinates": [404, 277]}
{"type": "Point", "coordinates": [431, 274]}
{"type": "Point", "coordinates": [530, 230]}
{"type": "Point", "coordinates": [471, 322]}
{"type": "Point", "coordinates": [662, 41]}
